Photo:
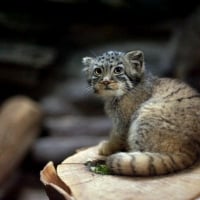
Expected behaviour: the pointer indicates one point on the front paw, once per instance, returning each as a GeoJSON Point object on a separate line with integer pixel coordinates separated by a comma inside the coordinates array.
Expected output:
{"type": "Point", "coordinates": [105, 148]}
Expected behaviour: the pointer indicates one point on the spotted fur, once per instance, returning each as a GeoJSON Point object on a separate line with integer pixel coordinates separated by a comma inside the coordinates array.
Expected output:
{"type": "Point", "coordinates": [156, 127]}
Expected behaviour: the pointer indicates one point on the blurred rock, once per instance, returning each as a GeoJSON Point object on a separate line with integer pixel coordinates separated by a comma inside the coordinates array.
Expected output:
{"type": "Point", "coordinates": [72, 90]}
{"type": "Point", "coordinates": [55, 105]}
{"type": "Point", "coordinates": [78, 126]}
{"type": "Point", "coordinates": [23, 63]}
{"type": "Point", "coordinates": [69, 96]}
{"type": "Point", "coordinates": [57, 148]}
{"type": "Point", "coordinates": [32, 56]}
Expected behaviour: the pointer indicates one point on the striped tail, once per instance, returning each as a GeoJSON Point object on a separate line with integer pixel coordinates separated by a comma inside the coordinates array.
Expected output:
{"type": "Point", "coordinates": [148, 164]}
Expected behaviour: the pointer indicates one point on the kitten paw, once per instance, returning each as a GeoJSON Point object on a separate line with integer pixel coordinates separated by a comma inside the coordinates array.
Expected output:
{"type": "Point", "coordinates": [105, 148]}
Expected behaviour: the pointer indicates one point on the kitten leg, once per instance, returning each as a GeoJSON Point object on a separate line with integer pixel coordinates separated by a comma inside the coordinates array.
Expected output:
{"type": "Point", "coordinates": [113, 145]}
{"type": "Point", "coordinates": [105, 149]}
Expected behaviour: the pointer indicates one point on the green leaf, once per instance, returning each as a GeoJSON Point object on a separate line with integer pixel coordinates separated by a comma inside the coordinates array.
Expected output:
{"type": "Point", "coordinates": [98, 167]}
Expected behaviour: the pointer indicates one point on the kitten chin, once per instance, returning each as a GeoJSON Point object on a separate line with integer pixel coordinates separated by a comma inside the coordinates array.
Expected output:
{"type": "Point", "coordinates": [110, 93]}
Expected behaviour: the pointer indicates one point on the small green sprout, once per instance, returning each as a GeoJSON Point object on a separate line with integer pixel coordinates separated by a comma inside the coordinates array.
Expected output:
{"type": "Point", "coordinates": [98, 167]}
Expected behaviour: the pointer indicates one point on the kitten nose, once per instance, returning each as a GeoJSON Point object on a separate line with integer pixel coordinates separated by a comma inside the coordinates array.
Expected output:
{"type": "Point", "coordinates": [106, 82]}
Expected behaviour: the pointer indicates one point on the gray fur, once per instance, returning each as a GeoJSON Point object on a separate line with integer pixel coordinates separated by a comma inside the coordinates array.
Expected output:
{"type": "Point", "coordinates": [155, 120]}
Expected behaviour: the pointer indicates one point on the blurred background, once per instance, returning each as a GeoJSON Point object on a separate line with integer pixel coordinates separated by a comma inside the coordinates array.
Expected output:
{"type": "Point", "coordinates": [41, 47]}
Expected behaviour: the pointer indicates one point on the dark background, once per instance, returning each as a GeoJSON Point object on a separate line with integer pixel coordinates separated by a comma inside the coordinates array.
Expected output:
{"type": "Point", "coordinates": [41, 47]}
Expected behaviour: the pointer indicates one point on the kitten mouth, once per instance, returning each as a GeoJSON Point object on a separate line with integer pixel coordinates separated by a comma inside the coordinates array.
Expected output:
{"type": "Point", "coordinates": [112, 86]}
{"type": "Point", "coordinates": [111, 89]}
{"type": "Point", "coordinates": [107, 88]}
{"type": "Point", "coordinates": [98, 91]}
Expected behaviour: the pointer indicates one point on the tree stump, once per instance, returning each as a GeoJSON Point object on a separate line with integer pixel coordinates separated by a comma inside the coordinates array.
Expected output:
{"type": "Point", "coordinates": [74, 181]}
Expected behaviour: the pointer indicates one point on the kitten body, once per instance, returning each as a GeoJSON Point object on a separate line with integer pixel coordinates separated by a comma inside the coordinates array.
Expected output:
{"type": "Point", "coordinates": [156, 127]}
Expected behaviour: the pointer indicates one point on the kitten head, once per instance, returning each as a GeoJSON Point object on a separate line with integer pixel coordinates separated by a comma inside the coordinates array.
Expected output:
{"type": "Point", "coordinates": [114, 73]}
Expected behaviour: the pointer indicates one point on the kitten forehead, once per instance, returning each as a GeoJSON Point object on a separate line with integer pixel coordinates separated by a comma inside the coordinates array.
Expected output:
{"type": "Point", "coordinates": [109, 58]}
{"type": "Point", "coordinates": [112, 53]}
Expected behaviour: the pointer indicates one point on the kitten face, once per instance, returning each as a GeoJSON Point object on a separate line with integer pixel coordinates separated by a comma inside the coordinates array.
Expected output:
{"type": "Point", "coordinates": [114, 73]}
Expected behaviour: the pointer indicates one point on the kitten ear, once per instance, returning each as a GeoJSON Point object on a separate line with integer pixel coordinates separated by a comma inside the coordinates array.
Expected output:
{"type": "Point", "coordinates": [87, 61]}
{"type": "Point", "coordinates": [136, 60]}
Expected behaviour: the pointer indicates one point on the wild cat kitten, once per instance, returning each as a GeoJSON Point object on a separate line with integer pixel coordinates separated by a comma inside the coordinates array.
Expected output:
{"type": "Point", "coordinates": [156, 121]}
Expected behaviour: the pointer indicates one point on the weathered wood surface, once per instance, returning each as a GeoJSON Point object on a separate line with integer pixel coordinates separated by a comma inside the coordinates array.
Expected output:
{"type": "Point", "coordinates": [20, 120]}
{"type": "Point", "coordinates": [82, 184]}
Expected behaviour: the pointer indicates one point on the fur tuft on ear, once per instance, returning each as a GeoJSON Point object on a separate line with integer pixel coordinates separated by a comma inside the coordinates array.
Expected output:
{"type": "Point", "coordinates": [136, 60]}
{"type": "Point", "coordinates": [87, 61]}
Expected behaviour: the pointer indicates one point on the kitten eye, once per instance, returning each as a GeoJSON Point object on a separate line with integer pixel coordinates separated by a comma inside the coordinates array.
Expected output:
{"type": "Point", "coordinates": [98, 71]}
{"type": "Point", "coordinates": [118, 70]}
